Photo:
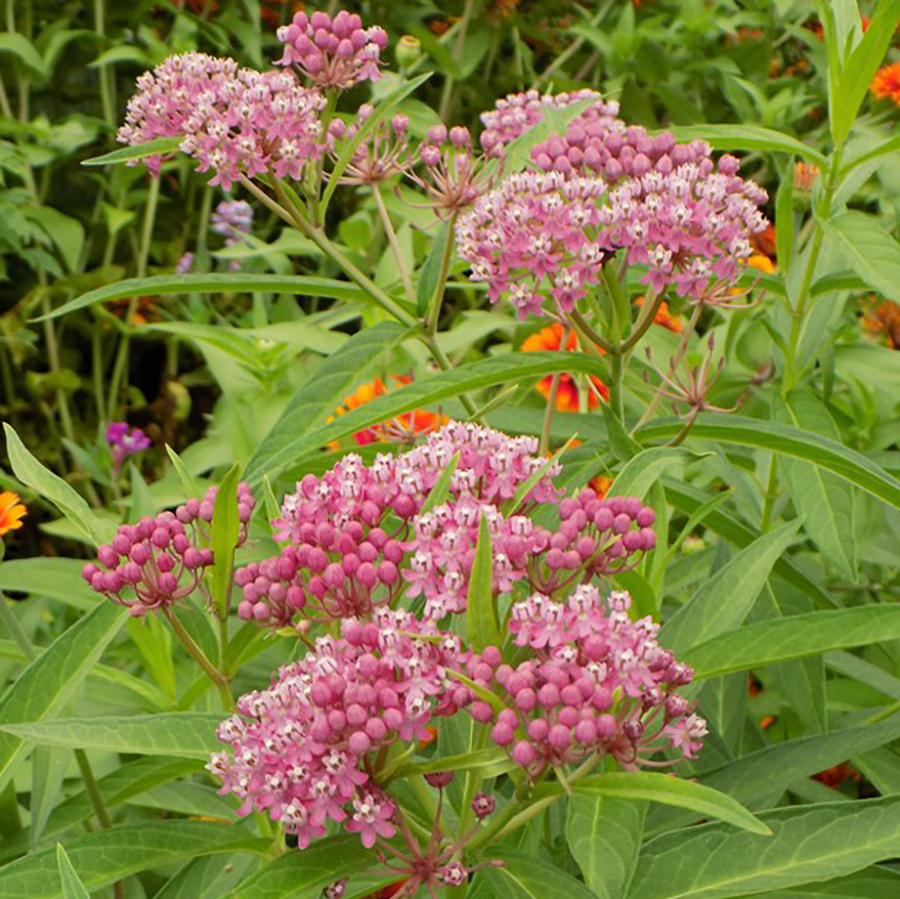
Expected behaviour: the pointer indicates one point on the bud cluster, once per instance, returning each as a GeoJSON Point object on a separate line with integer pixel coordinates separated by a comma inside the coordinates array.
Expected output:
{"type": "Point", "coordinates": [383, 154]}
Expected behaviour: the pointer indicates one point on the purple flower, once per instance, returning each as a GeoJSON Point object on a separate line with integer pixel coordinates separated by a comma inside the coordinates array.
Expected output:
{"type": "Point", "coordinates": [125, 441]}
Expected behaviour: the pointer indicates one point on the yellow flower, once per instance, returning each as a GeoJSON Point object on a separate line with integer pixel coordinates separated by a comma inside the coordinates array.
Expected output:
{"type": "Point", "coordinates": [11, 512]}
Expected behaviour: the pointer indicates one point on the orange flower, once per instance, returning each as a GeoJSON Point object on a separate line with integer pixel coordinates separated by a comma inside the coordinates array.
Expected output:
{"type": "Point", "coordinates": [600, 485]}
{"type": "Point", "coordinates": [837, 774]}
{"type": "Point", "coordinates": [402, 429]}
{"type": "Point", "coordinates": [567, 398]}
{"type": "Point", "coordinates": [886, 82]}
{"type": "Point", "coordinates": [664, 317]}
{"type": "Point", "coordinates": [430, 736]}
{"type": "Point", "coordinates": [762, 263]}
{"type": "Point", "coordinates": [804, 176]}
{"type": "Point", "coordinates": [11, 512]}
{"type": "Point", "coordinates": [883, 316]}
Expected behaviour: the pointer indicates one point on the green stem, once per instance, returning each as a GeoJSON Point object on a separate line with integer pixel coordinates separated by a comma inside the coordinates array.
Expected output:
{"type": "Point", "coordinates": [106, 83]}
{"type": "Point", "coordinates": [573, 48]}
{"type": "Point", "coordinates": [591, 334]}
{"type": "Point", "coordinates": [437, 301]}
{"type": "Point", "coordinates": [200, 658]}
{"type": "Point", "coordinates": [394, 243]}
{"type": "Point", "coordinates": [447, 94]}
{"type": "Point", "coordinates": [770, 496]}
{"type": "Point", "coordinates": [548, 412]}
{"type": "Point", "coordinates": [100, 810]}
{"type": "Point", "coordinates": [616, 387]}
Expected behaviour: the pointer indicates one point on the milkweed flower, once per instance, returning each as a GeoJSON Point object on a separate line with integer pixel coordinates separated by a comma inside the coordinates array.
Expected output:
{"type": "Point", "coordinates": [300, 750]}
{"type": "Point", "coordinates": [567, 393]}
{"type": "Point", "coordinates": [593, 682]}
{"type": "Point", "coordinates": [384, 154]}
{"type": "Point", "coordinates": [334, 53]}
{"type": "Point", "coordinates": [886, 82]}
{"type": "Point", "coordinates": [125, 441]}
{"type": "Point", "coordinates": [12, 511]}
{"type": "Point", "coordinates": [233, 121]}
{"type": "Point", "coordinates": [150, 565]}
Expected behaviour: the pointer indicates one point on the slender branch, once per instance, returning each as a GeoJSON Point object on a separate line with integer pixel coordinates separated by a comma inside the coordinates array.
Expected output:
{"type": "Point", "coordinates": [548, 412]}
{"type": "Point", "coordinates": [394, 243]}
{"type": "Point", "coordinates": [591, 334]}
{"type": "Point", "coordinates": [200, 658]}
{"type": "Point", "coordinates": [437, 301]}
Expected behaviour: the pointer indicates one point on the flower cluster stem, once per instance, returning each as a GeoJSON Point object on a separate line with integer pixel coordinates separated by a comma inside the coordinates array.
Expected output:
{"type": "Point", "coordinates": [197, 654]}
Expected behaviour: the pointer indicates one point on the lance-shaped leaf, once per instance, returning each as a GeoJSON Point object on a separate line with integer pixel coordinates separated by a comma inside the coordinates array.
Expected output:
{"type": "Point", "coordinates": [483, 629]}
{"type": "Point", "coordinates": [72, 887]}
{"type": "Point", "coordinates": [225, 530]}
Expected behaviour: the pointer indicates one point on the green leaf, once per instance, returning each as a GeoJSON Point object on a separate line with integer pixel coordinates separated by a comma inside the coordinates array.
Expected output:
{"type": "Point", "coordinates": [189, 483]}
{"type": "Point", "coordinates": [72, 887]}
{"type": "Point", "coordinates": [183, 734]}
{"type": "Point", "coordinates": [826, 501]}
{"type": "Point", "coordinates": [487, 762]}
{"type": "Point", "coordinates": [381, 111]}
{"type": "Point", "coordinates": [106, 856]}
{"type": "Point", "coordinates": [808, 844]}
{"type": "Point", "coordinates": [794, 637]}
{"type": "Point", "coordinates": [290, 440]}
{"type": "Point", "coordinates": [50, 486]}
{"type": "Point", "coordinates": [872, 883]}
{"type": "Point", "coordinates": [159, 147]}
{"type": "Point", "coordinates": [303, 875]}
{"type": "Point", "coordinates": [784, 215]}
{"type": "Point", "coordinates": [641, 472]}
{"type": "Point", "coordinates": [48, 683]}
{"type": "Point", "coordinates": [725, 599]}
{"type": "Point", "coordinates": [749, 137]}
{"type": "Point", "coordinates": [225, 530]}
{"type": "Point", "coordinates": [19, 45]}
{"type": "Point", "coordinates": [604, 836]}
{"type": "Point", "coordinates": [511, 506]}
{"type": "Point", "coordinates": [853, 82]}
{"type": "Point", "coordinates": [51, 577]}
{"type": "Point", "coordinates": [483, 629]}
{"type": "Point", "coordinates": [524, 877]}
{"type": "Point", "coordinates": [873, 254]}
{"type": "Point", "coordinates": [440, 493]}
{"type": "Point", "coordinates": [431, 270]}
{"type": "Point", "coordinates": [829, 454]}
{"type": "Point", "coordinates": [234, 282]}
{"type": "Point", "coordinates": [322, 394]}
{"type": "Point", "coordinates": [66, 232]}
{"type": "Point", "coordinates": [668, 790]}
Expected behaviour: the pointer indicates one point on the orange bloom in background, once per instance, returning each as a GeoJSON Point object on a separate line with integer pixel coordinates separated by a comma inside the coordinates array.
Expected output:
{"type": "Point", "coordinates": [762, 263]}
{"type": "Point", "coordinates": [664, 317]}
{"type": "Point", "coordinates": [764, 242]}
{"type": "Point", "coordinates": [404, 428]}
{"type": "Point", "coordinates": [837, 774]}
{"type": "Point", "coordinates": [600, 485]}
{"type": "Point", "coordinates": [11, 512]}
{"type": "Point", "coordinates": [804, 176]}
{"type": "Point", "coordinates": [881, 317]}
{"type": "Point", "coordinates": [567, 396]}
{"type": "Point", "coordinates": [886, 82]}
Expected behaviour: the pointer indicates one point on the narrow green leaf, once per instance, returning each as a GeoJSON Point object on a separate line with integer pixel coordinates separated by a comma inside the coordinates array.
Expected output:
{"type": "Point", "coordinates": [45, 686]}
{"type": "Point", "coordinates": [441, 491]}
{"type": "Point", "coordinates": [784, 215]}
{"type": "Point", "coordinates": [749, 137]}
{"type": "Point", "coordinates": [161, 146]}
{"type": "Point", "coordinates": [641, 472]}
{"type": "Point", "coordinates": [794, 637]}
{"type": "Point", "coordinates": [183, 734]}
{"type": "Point", "coordinates": [525, 877]}
{"type": "Point", "coordinates": [18, 45]}
{"type": "Point", "coordinates": [782, 439]}
{"type": "Point", "coordinates": [487, 762]}
{"type": "Point", "coordinates": [873, 253]}
{"type": "Point", "coordinates": [379, 114]}
{"type": "Point", "coordinates": [431, 269]}
{"type": "Point", "coordinates": [31, 472]}
{"type": "Point", "coordinates": [318, 397]}
{"type": "Point", "coordinates": [510, 507]}
{"type": "Point", "coordinates": [809, 844]}
{"type": "Point", "coordinates": [483, 629]}
{"type": "Point", "coordinates": [604, 836]}
{"type": "Point", "coordinates": [233, 282]}
{"type": "Point", "coordinates": [106, 856]}
{"type": "Point", "coordinates": [303, 875]}
{"type": "Point", "coordinates": [872, 883]}
{"type": "Point", "coordinates": [725, 599]}
{"type": "Point", "coordinates": [189, 483]}
{"type": "Point", "coordinates": [291, 440]}
{"type": "Point", "coordinates": [858, 70]}
{"type": "Point", "coordinates": [72, 887]}
{"type": "Point", "coordinates": [51, 577]}
{"type": "Point", "coordinates": [225, 531]}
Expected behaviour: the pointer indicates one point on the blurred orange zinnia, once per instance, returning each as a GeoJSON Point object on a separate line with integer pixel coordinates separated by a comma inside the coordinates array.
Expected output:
{"type": "Point", "coordinates": [567, 397]}
{"type": "Point", "coordinates": [883, 316]}
{"type": "Point", "coordinates": [11, 512]}
{"type": "Point", "coordinates": [664, 317]}
{"type": "Point", "coordinates": [403, 428]}
{"type": "Point", "coordinates": [886, 82]}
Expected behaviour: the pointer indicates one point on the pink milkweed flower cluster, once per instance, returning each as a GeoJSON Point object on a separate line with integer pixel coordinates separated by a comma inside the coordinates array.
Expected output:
{"type": "Point", "coordinates": [515, 114]}
{"type": "Point", "coordinates": [233, 121]}
{"type": "Point", "coordinates": [595, 683]}
{"type": "Point", "coordinates": [536, 237]}
{"type": "Point", "coordinates": [334, 53]}
{"type": "Point", "coordinates": [124, 441]}
{"type": "Point", "coordinates": [345, 558]}
{"type": "Point", "coordinates": [158, 561]}
{"type": "Point", "coordinates": [300, 749]}
{"type": "Point", "coordinates": [382, 155]}
{"type": "Point", "coordinates": [666, 205]}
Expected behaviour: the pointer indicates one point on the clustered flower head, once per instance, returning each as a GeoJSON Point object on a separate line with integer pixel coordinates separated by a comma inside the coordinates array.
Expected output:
{"type": "Point", "coordinates": [352, 531]}
{"type": "Point", "coordinates": [125, 441]}
{"type": "Point", "coordinates": [152, 564]}
{"type": "Point", "coordinates": [539, 237]}
{"type": "Point", "coordinates": [536, 237]}
{"type": "Point", "coordinates": [595, 683]}
{"type": "Point", "coordinates": [383, 154]}
{"type": "Point", "coordinates": [334, 53]}
{"type": "Point", "coordinates": [232, 219]}
{"type": "Point", "coordinates": [515, 114]}
{"type": "Point", "coordinates": [233, 121]}
{"type": "Point", "coordinates": [299, 748]}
